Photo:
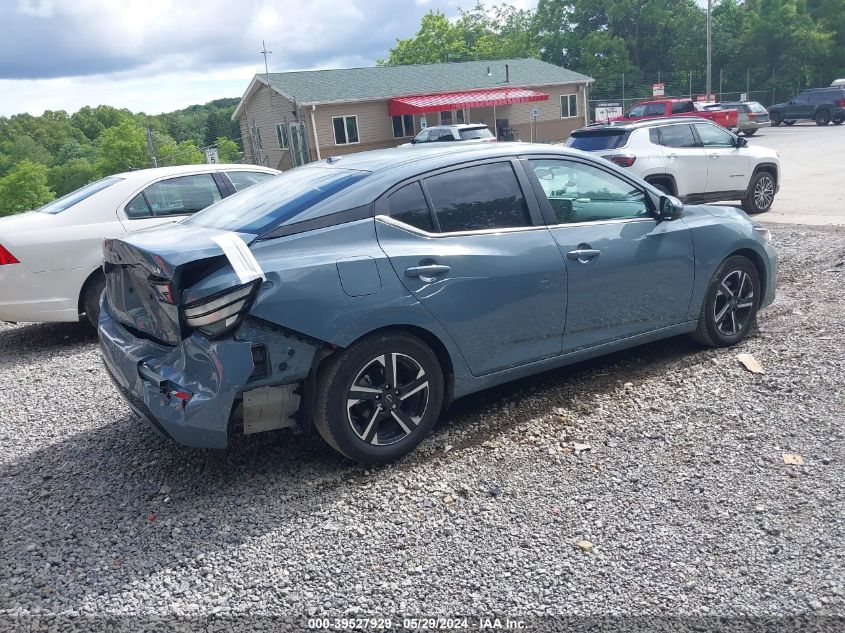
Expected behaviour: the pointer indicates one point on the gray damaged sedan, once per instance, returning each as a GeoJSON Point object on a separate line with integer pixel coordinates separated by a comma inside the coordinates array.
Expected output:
{"type": "Point", "coordinates": [363, 294]}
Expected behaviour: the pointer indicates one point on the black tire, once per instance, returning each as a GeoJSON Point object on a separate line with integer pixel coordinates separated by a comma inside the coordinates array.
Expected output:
{"type": "Point", "coordinates": [822, 117]}
{"type": "Point", "coordinates": [839, 120]}
{"type": "Point", "coordinates": [760, 194]}
{"type": "Point", "coordinates": [661, 185]}
{"type": "Point", "coordinates": [389, 425]}
{"type": "Point", "coordinates": [91, 299]}
{"type": "Point", "coordinates": [790, 123]}
{"type": "Point", "coordinates": [749, 132]}
{"type": "Point", "coordinates": [722, 322]}
{"type": "Point", "coordinates": [775, 118]}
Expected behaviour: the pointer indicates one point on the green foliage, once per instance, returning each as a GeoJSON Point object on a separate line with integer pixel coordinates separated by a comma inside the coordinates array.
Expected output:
{"type": "Point", "coordinates": [25, 187]}
{"type": "Point", "coordinates": [121, 148]}
{"type": "Point", "coordinates": [181, 153]}
{"type": "Point", "coordinates": [70, 175]}
{"type": "Point", "coordinates": [227, 150]}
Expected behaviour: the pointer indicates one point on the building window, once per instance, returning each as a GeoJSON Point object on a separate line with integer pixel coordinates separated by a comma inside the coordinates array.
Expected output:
{"type": "Point", "coordinates": [445, 117]}
{"type": "Point", "coordinates": [282, 135]}
{"type": "Point", "coordinates": [462, 117]}
{"type": "Point", "coordinates": [568, 106]}
{"type": "Point", "coordinates": [345, 129]}
{"type": "Point", "coordinates": [403, 126]}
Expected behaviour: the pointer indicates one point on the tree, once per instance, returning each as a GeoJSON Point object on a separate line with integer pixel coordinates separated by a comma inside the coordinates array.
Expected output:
{"type": "Point", "coordinates": [227, 150]}
{"type": "Point", "coordinates": [122, 147]}
{"type": "Point", "coordinates": [182, 153]}
{"type": "Point", "coordinates": [25, 187]}
{"type": "Point", "coordinates": [437, 40]}
{"type": "Point", "coordinates": [71, 175]}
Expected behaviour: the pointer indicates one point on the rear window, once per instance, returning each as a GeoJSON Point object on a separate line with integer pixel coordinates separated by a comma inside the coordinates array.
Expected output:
{"type": "Point", "coordinates": [244, 179]}
{"type": "Point", "coordinates": [755, 107]}
{"type": "Point", "coordinates": [277, 200]}
{"type": "Point", "coordinates": [75, 197]}
{"type": "Point", "coordinates": [596, 140]}
{"type": "Point", "coordinates": [481, 132]}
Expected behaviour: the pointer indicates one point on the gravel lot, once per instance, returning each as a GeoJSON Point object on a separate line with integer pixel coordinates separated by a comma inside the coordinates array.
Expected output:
{"type": "Point", "coordinates": [684, 493]}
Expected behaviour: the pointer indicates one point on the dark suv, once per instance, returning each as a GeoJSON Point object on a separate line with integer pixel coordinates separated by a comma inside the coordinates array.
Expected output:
{"type": "Point", "coordinates": [821, 105]}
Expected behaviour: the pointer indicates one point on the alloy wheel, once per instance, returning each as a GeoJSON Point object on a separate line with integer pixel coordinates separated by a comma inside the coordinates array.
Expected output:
{"type": "Point", "coordinates": [734, 302]}
{"type": "Point", "coordinates": [764, 192]}
{"type": "Point", "coordinates": [387, 399]}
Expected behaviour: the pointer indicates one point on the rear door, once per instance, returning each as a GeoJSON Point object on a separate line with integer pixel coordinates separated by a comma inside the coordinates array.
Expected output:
{"type": "Point", "coordinates": [473, 249]}
{"type": "Point", "coordinates": [727, 165]}
{"type": "Point", "coordinates": [627, 273]}
{"type": "Point", "coordinates": [684, 156]}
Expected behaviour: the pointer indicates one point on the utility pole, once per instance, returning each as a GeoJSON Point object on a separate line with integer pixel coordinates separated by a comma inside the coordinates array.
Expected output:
{"type": "Point", "coordinates": [265, 52]}
{"type": "Point", "coordinates": [709, 43]}
{"type": "Point", "coordinates": [152, 145]}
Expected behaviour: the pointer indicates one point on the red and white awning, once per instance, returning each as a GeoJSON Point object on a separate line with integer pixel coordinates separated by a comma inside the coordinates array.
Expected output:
{"type": "Point", "coordinates": [459, 100]}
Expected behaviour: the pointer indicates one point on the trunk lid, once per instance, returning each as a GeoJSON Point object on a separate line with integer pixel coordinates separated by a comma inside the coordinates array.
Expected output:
{"type": "Point", "coordinates": [147, 271]}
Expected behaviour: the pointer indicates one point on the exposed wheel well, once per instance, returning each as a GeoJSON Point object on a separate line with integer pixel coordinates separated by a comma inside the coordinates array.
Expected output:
{"type": "Point", "coordinates": [96, 274]}
{"type": "Point", "coordinates": [755, 259]}
{"type": "Point", "coordinates": [665, 180]}
{"type": "Point", "coordinates": [769, 167]}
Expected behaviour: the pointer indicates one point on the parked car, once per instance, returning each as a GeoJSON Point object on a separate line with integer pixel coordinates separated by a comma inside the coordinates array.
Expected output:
{"type": "Point", "coordinates": [698, 161]}
{"type": "Point", "coordinates": [364, 294]}
{"type": "Point", "coordinates": [821, 105]}
{"type": "Point", "coordinates": [50, 259]}
{"type": "Point", "coordinates": [752, 116]}
{"type": "Point", "coordinates": [460, 132]}
{"type": "Point", "coordinates": [659, 108]}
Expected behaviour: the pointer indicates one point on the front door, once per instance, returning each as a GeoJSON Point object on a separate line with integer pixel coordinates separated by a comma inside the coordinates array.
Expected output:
{"type": "Point", "coordinates": [480, 261]}
{"type": "Point", "coordinates": [727, 165]}
{"type": "Point", "coordinates": [684, 157]}
{"type": "Point", "coordinates": [627, 273]}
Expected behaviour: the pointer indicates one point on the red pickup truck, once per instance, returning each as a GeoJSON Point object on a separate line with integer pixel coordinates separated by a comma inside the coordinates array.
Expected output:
{"type": "Point", "coordinates": [679, 107]}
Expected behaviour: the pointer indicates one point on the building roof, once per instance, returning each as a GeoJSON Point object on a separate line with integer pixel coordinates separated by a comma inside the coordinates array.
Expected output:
{"type": "Point", "coordinates": [381, 82]}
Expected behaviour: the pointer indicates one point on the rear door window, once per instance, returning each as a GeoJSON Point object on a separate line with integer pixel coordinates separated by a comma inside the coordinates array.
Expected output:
{"type": "Point", "coordinates": [478, 198]}
{"type": "Point", "coordinates": [655, 109]}
{"type": "Point", "coordinates": [244, 179]}
{"type": "Point", "coordinates": [682, 106]}
{"type": "Point", "coordinates": [677, 136]}
{"type": "Point", "coordinates": [184, 195]}
{"type": "Point", "coordinates": [408, 205]}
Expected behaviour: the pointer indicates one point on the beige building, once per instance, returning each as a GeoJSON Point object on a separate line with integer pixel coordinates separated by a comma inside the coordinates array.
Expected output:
{"type": "Point", "coordinates": [287, 119]}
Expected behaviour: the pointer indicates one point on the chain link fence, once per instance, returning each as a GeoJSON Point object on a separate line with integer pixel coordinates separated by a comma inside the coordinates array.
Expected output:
{"type": "Point", "coordinates": [615, 95]}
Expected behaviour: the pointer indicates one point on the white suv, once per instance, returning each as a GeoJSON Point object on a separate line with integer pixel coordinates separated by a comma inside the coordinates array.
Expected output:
{"type": "Point", "coordinates": [459, 133]}
{"type": "Point", "coordinates": [697, 161]}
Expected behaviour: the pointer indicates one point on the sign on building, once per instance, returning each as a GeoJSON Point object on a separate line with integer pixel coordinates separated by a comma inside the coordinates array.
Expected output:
{"type": "Point", "coordinates": [608, 110]}
{"type": "Point", "coordinates": [423, 123]}
{"type": "Point", "coordinates": [658, 90]}
{"type": "Point", "coordinates": [211, 155]}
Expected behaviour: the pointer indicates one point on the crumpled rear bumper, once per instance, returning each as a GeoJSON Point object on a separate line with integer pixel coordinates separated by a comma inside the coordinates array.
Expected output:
{"type": "Point", "coordinates": [212, 372]}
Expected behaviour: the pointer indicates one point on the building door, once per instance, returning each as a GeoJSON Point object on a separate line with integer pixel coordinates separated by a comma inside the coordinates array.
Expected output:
{"type": "Point", "coordinates": [298, 144]}
{"type": "Point", "coordinates": [503, 130]}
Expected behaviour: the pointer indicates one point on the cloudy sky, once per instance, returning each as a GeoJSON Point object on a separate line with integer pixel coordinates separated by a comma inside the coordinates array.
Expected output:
{"type": "Point", "coordinates": [160, 55]}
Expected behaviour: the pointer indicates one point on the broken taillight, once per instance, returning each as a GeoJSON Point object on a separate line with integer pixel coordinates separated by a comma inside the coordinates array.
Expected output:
{"type": "Point", "coordinates": [6, 257]}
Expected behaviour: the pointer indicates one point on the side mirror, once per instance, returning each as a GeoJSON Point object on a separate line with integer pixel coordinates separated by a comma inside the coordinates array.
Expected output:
{"type": "Point", "coordinates": [741, 142]}
{"type": "Point", "coordinates": [670, 208]}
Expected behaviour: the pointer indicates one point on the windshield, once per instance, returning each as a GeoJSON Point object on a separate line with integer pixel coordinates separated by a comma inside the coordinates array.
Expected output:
{"type": "Point", "coordinates": [598, 140]}
{"type": "Point", "coordinates": [74, 197]}
{"type": "Point", "coordinates": [481, 132]}
{"type": "Point", "coordinates": [277, 200]}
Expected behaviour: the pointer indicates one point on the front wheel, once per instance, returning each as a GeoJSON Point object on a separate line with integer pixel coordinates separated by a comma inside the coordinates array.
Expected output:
{"type": "Point", "coordinates": [750, 132]}
{"type": "Point", "coordinates": [838, 120]}
{"type": "Point", "coordinates": [822, 117]}
{"type": "Point", "coordinates": [730, 305]}
{"type": "Point", "coordinates": [760, 194]}
{"type": "Point", "coordinates": [379, 398]}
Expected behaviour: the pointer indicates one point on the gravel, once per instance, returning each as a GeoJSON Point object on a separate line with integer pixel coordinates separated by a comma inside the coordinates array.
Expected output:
{"type": "Point", "coordinates": [649, 482]}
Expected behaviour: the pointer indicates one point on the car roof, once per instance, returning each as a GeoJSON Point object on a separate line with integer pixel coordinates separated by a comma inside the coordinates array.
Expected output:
{"type": "Point", "coordinates": [457, 126]}
{"type": "Point", "coordinates": [179, 170]}
{"type": "Point", "coordinates": [634, 125]}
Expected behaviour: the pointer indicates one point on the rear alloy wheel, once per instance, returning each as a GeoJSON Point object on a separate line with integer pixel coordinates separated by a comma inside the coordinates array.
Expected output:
{"type": "Point", "coordinates": [760, 194]}
{"type": "Point", "coordinates": [775, 118]}
{"type": "Point", "coordinates": [379, 398]}
{"type": "Point", "coordinates": [730, 305]}
{"type": "Point", "coordinates": [839, 120]}
{"type": "Point", "coordinates": [822, 117]}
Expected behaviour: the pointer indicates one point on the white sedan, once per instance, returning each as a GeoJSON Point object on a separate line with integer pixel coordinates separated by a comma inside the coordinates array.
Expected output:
{"type": "Point", "coordinates": [50, 259]}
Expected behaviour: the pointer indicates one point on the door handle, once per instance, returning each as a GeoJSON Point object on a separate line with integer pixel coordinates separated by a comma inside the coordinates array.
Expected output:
{"type": "Point", "coordinates": [584, 255]}
{"type": "Point", "coordinates": [427, 273]}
